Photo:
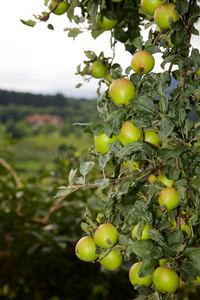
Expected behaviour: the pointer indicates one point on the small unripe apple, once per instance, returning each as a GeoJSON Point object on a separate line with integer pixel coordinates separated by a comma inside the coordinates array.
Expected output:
{"type": "Point", "coordinates": [197, 280]}
{"type": "Point", "coordinates": [85, 249]}
{"type": "Point", "coordinates": [106, 235]}
{"type": "Point", "coordinates": [165, 14]}
{"type": "Point", "coordinates": [151, 178]}
{"type": "Point", "coordinates": [149, 6]}
{"type": "Point", "coordinates": [60, 9]}
{"type": "Point", "coordinates": [169, 197]}
{"type": "Point", "coordinates": [163, 179]}
{"type": "Point", "coordinates": [165, 279]}
{"type": "Point", "coordinates": [121, 91]}
{"type": "Point", "coordinates": [198, 72]}
{"type": "Point", "coordinates": [142, 62]}
{"type": "Point", "coordinates": [162, 261]}
{"type": "Point", "coordinates": [144, 234]}
{"type": "Point", "coordinates": [129, 133]}
{"type": "Point", "coordinates": [112, 260]}
{"type": "Point", "coordinates": [104, 23]}
{"type": "Point", "coordinates": [98, 69]}
{"type": "Point", "coordinates": [135, 279]}
{"type": "Point", "coordinates": [132, 165]}
{"type": "Point", "coordinates": [102, 141]}
{"type": "Point", "coordinates": [151, 137]}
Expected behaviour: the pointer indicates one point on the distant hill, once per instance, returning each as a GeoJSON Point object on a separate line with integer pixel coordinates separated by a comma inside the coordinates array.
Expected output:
{"type": "Point", "coordinates": [17, 106]}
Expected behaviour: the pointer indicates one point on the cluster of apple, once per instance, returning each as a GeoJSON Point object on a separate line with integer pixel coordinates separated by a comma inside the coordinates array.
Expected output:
{"type": "Point", "coordinates": [105, 238]}
{"type": "Point", "coordinates": [163, 12]}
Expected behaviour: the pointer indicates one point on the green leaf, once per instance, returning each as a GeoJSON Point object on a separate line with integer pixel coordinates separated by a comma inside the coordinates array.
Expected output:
{"type": "Point", "coordinates": [157, 236]}
{"type": "Point", "coordinates": [134, 147]}
{"type": "Point", "coordinates": [166, 128]}
{"type": "Point", "coordinates": [146, 248]}
{"type": "Point", "coordinates": [30, 23]}
{"type": "Point", "coordinates": [182, 7]}
{"type": "Point", "coordinates": [144, 105]}
{"type": "Point", "coordinates": [195, 181]}
{"type": "Point", "coordinates": [74, 32]}
{"type": "Point", "coordinates": [114, 122]}
{"type": "Point", "coordinates": [86, 167]}
{"type": "Point", "coordinates": [64, 192]}
{"type": "Point", "coordinates": [50, 26]}
{"type": "Point", "coordinates": [94, 129]}
{"type": "Point", "coordinates": [148, 266]}
{"type": "Point", "coordinates": [71, 175]}
{"type": "Point", "coordinates": [103, 183]}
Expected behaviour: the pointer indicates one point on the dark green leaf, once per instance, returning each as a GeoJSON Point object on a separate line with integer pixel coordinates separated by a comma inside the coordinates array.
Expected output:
{"type": "Point", "coordinates": [166, 128]}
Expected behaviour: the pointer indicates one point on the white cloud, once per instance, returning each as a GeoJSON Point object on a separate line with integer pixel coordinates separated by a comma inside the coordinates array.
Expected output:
{"type": "Point", "coordinates": [44, 61]}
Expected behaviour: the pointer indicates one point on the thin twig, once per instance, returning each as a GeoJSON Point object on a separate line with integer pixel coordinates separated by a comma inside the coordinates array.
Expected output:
{"type": "Point", "coordinates": [12, 171]}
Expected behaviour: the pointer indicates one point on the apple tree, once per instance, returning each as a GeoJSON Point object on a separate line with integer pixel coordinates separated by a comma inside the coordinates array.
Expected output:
{"type": "Point", "coordinates": [147, 147]}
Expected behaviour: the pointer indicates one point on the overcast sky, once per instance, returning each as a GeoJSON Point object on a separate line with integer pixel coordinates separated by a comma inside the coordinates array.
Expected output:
{"type": "Point", "coordinates": [40, 60]}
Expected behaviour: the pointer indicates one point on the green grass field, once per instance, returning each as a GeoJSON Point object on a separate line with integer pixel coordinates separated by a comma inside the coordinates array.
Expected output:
{"type": "Point", "coordinates": [36, 153]}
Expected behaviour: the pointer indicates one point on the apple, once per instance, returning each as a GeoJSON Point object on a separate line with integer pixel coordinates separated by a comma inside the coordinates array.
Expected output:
{"type": "Point", "coordinates": [149, 6]}
{"type": "Point", "coordinates": [98, 69]}
{"type": "Point", "coordinates": [162, 261]}
{"type": "Point", "coordinates": [129, 133]}
{"type": "Point", "coordinates": [142, 62]}
{"type": "Point", "coordinates": [151, 178]}
{"type": "Point", "coordinates": [104, 23]}
{"type": "Point", "coordinates": [144, 234]}
{"type": "Point", "coordinates": [85, 249]}
{"type": "Point", "coordinates": [102, 141]}
{"type": "Point", "coordinates": [198, 72]}
{"type": "Point", "coordinates": [106, 235]}
{"type": "Point", "coordinates": [169, 197]}
{"type": "Point", "coordinates": [121, 91]}
{"type": "Point", "coordinates": [184, 227]}
{"type": "Point", "coordinates": [163, 179]}
{"type": "Point", "coordinates": [165, 14]}
{"type": "Point", "coordinates": [197, 280]}
{"type": "Point", "coordinates": [135, 279]}
{"type": "Point", "coordinates": [132, 165]}
{"type": "Point", "coordinates": [112, 260]}
{"type": "Point", "coordinates": [165, 279]}
{"type": "Point", "coordinates": [151, 137]}
{"type": "Point", "coordinates": [60, 9]}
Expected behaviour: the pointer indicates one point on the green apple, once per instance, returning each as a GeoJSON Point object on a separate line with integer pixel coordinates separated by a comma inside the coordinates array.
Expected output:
{"type": "Point", "coordinates": [102, 141]}
{"type": "Point", "coordinates": [129, 133]}
{"type": "Point", "coordinates": [104, 23]}
{"type": "Point", "coordinates": [162, 261]}
{"type": "Point", "coordinates": [151, 178]}
{"type": "Point", "coordinates": [98, 69]}
{"type": "Point", "coordinates": [134, 277]}
{"type": "Point", "coordinates": [60, 9]}
{"type": "Point", "coordinates": [112, 260]}
{"type": "Point", "coordinates": [142, 62]}
{"type": "Point", "coordinates": [149, 6]}
{"type": "Point", "coordinates": [144, 234]}
{"type": "Point", "coordinates": [198, 72]}
{"type": "Point", "coordinates": [169, 197]}
{"type": "Point", "coordinates": [165, 279]}
{"type": "Point", "coordinates": [165, 14]}
{"type": "Point", "coordinates": [121, 91]}
{"type": "Point", "coordinates": [106, 235]}
{"type": "Point", "coordinates": [163, 179]}
{"type": "Point", "coordinates": [132, 165]}
{"type": "Point", "coordinates": [151, 137]}
{"type": "Point", "coordinates": [197, 280]}
{"type": "Point", "coordinates": [86, 249]}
